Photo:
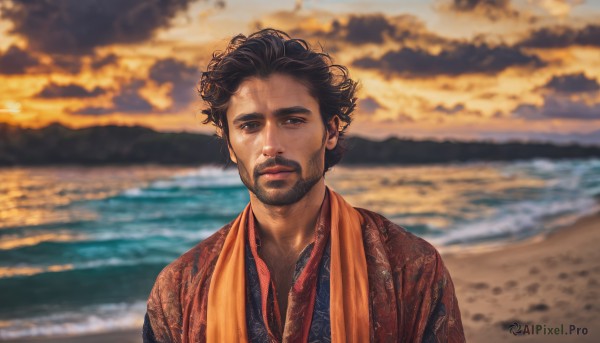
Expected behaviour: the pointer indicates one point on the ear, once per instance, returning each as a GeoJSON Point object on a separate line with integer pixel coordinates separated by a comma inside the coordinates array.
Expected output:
{"type": "Point", "coordinates": [333, 133]}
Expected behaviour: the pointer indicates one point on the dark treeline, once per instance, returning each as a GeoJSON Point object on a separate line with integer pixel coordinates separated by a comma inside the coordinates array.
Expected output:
{"type": "Point", "coordinates": [97, 145]}
{"type": "Point", "coordinates": [57, 144]}
{"type": "Point", "coordinates": [406, 151]}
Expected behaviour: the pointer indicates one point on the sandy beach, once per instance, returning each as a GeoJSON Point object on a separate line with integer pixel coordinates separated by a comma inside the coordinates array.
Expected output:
{"type": "Point", "coordinates": [549, 282]}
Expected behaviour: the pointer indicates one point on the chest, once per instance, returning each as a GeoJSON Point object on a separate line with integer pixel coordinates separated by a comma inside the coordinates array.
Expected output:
{"type": "Point", "coordinates": [294, 302]}
{"type": "Point", "coordinates": [281, 268]}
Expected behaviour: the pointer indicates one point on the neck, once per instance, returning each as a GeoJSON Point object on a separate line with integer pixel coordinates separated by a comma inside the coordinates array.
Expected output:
{"type": "Point", "coordinates": [290, 227]}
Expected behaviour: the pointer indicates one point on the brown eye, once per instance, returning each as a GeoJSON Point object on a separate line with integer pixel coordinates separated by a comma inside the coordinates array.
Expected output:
{"type": "Point", "coordinates": [249, 125]}
{"type": "Point", "coordinates": [294, 121]}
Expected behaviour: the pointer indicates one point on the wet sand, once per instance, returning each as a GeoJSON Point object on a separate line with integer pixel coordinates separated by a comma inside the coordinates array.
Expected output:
{"type": "Point", "coordinates": [549, 282]}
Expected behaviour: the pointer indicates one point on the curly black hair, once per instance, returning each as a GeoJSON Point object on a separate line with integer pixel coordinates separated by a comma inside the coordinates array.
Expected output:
{"type": "Point", "coordinates": [271, 51]}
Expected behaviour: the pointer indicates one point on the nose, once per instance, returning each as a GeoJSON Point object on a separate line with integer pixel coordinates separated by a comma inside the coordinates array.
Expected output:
{"type": "Point", "coordinates": [272, 140]}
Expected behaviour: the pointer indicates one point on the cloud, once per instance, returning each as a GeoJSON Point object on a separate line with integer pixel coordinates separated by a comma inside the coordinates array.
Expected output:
{"type": "Point", "coordinates": [556, 107]}
{"type": "Point", "coordinates": [463, 58]}
{"type": "Point", "coordinates": [73, 64]}
{"type": "Point", "coordinates": [100, 62]}
{"type": "Point", "coordinates": [16, 61]}
{"type": "Point", "coordinates": [562, 36]}
{"type": "Point", "coordinates": [182, 77]}
{"type": "Point", "coordinates": [572, 83]}
{"type": "Point", "coordinates": [93, 111]}
{"type": "Point", "coordinates": [128, 101]}
{"type": "Point", "coordinates": [558, 8]}
{"type": "Point", "coordinates": [68, 63]}
{"type": "Point", "coordinates": [567, 96]}
{"type": "Point", "coordinates": [72, 90]}
{"type": "Point", "coordinates": [401, 118]}
{"type": "Point", "coordinates": [77, 27]}
{"type": "Point", "coordinates": [357, 30]}
{"type": "Point", "coordinates": [490, 9]}
{"type": "Point", "coordinates": [365, 29]}
{"type": "Point", "coordinates": [449, 110]}
{"type": "Point", "coordinates": [179, 75]}
{"type": "Point", "coordinates": [375, 28]}
{"type": "Point", "coordinates": [369, 105]}
{"type": "Point", "coordinates": [458, 108]}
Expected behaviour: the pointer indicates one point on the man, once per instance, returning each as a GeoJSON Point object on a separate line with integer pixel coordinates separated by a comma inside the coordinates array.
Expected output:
{"type": "Point", "coordinates": [299, 263]}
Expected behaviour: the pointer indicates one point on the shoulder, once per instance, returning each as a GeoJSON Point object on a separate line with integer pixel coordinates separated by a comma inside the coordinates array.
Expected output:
{"type": "Point", "coordinates": [195, 262]}
{"type": "Point", "coordinates": [177, 283]}
{"type": "Point", "coordinates": [421, 286]}
{"type": "Point", "coordinates": [402, 247]}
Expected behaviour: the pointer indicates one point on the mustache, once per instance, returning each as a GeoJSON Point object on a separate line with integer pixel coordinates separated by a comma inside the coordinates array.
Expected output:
{"type": "Point", "coordinates": [274, 162]}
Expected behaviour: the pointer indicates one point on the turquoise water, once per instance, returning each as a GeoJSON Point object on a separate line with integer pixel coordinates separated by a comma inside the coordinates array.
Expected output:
{"type": "Point", "coordinates": [80, 247]}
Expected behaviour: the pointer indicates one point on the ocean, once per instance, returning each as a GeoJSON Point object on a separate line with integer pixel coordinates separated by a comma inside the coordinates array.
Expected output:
{"type": "Point", "coordinates": [80, 247]}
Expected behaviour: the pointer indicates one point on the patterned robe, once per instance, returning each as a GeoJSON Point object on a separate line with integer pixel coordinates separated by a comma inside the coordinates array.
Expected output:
{"type": "Point", "coordinates": [411, 293]}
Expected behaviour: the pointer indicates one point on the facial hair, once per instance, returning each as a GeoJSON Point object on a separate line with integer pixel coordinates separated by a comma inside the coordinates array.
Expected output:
{"type": "Point", "coordinates": [296, 192]}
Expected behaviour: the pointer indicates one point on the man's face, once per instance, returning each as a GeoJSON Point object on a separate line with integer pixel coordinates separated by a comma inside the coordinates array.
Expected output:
{"type": "Point", "coordinates": [277, 138]}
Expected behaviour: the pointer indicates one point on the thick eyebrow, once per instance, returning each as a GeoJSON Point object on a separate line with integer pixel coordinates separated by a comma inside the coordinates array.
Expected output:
{"type": "Point", "coordinates": [282, 112]}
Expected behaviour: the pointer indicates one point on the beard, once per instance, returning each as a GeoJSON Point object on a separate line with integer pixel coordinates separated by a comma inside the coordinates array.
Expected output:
{"type": "Point", "coordinates": [283, 194]}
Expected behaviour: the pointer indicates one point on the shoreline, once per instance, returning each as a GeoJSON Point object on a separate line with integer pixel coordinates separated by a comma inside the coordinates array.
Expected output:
{"type": "Point", "coordinates": [552, 281]}
{"type": "Point", "coordinates": [123, 336]}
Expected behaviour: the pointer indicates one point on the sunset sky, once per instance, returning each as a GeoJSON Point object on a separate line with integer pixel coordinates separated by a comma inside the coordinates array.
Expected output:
{"type": "Point", "coordinates": [465, 69]}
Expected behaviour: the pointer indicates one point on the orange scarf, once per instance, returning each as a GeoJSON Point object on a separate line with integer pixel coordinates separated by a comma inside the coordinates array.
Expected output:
{"type": "Point", "coordinates": [349, 302]}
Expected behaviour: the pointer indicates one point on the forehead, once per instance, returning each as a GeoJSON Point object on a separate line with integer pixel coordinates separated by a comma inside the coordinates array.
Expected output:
{"type": "Point", "coordinates": [263, 95]}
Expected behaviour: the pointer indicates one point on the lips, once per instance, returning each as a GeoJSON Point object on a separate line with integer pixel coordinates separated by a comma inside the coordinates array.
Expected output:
{"type": "Point", "coordinates": [276, 170]}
